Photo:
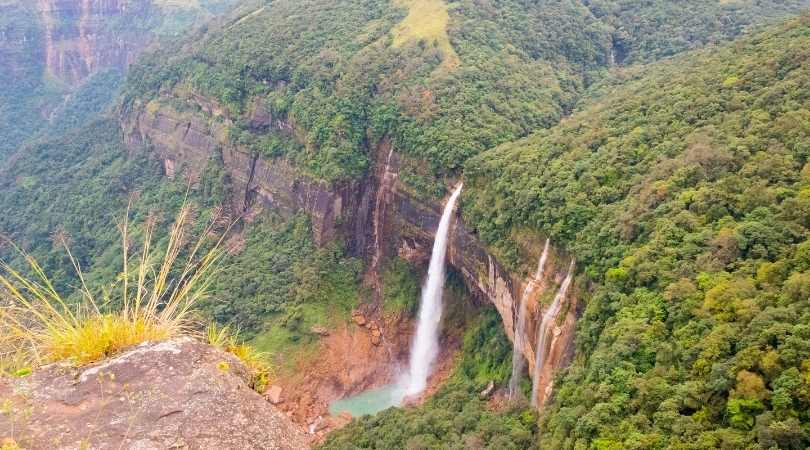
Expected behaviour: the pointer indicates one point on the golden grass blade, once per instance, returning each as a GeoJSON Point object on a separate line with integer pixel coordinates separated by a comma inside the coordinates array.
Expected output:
{"type": "Point", "coordinates": [125, 251]}
{"type": "Point", "coordinates": [37, 322]}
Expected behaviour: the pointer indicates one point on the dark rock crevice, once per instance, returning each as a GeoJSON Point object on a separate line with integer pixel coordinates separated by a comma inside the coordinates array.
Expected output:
{"type": "Point", "coordinates": [249, 192]}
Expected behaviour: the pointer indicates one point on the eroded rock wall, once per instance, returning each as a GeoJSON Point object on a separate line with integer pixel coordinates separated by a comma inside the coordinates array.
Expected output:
{"type": "Point", "coordinates": [186, 143]}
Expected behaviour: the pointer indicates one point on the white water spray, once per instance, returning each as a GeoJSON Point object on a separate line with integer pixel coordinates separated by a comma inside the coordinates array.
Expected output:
{"type": "Point", "coordinates": [520, 327]}
{"type": "Point", "coordinates": [426, 342]}
{"type": "Point", "coordinates": [542, 333]}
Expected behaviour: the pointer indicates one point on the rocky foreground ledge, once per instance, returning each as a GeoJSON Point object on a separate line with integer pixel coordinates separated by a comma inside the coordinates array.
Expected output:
{"type": "Point", "coordinates": [175, 394]}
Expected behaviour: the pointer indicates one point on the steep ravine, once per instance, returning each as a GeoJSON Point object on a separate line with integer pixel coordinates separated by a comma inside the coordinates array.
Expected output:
{"type": "Point", "coordinates": [377, 216]}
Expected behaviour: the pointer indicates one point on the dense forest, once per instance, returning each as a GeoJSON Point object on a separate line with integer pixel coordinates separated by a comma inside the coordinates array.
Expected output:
{"type": "Point", "coordinates": [684, 194]}
{"type": "Point", "coordinates": [667, 152]}
{"type": "Point", "coordinates": [345, 72]}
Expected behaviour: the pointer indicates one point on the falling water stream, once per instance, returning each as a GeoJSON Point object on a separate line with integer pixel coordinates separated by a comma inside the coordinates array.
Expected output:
{"type": "Point", "coordinates": [520, 327]}
{"type": "Point", "coordinates": [542, 333]}
{"type": "Point", "coordinates": [425, 346]}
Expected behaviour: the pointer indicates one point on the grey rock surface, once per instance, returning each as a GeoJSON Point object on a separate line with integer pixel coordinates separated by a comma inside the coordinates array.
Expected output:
{"type": "Point", "coordinates": [177, 394]}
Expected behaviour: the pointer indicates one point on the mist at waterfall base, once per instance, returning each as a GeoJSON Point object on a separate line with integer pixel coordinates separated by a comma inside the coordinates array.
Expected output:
{"type": "Point", "coordinates": [425, 346]}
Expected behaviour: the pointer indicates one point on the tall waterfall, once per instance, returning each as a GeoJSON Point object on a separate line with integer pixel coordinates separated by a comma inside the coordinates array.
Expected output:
{"type": "Point", "coordinates": [542, 333]}
{"type": "Point", "coordinates": [520, 327]}
{"type": "Point", "coordinates": [426, 342]}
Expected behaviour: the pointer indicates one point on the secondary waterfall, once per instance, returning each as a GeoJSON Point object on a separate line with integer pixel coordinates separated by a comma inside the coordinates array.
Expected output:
{"type": "Point", "coordinates": [378, 216]}
{"type": "Point", "coordinates": [543, 331]}
{"type": "Point", "coordinates": [426, 342]}
{"type": "Point", "coordinates": [520, 327]}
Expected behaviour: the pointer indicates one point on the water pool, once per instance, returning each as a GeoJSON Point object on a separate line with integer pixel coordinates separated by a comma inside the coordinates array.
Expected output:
{"type": "Point", "coordinates": [368, 402]}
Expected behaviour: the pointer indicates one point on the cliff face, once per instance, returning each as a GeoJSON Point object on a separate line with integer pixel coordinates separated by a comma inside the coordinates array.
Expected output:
{"type": "Point", "coordinates": [82, 37]}
{"type": "Point", "coordinates": [52, 50]}
{"type": "Point", "coordinates": [377, 216]}
{"type": "Point", "coordinates": [411, 225]}
{"type": "Point", "coordinates": [187, 143]}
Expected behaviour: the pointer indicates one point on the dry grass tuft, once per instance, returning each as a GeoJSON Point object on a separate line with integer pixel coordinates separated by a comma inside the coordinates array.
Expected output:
{"type": "Point", "coordinates": [157, 294]}
{"type": "Point", "coordinates": [228, 340]}
{"type": "Point", "coordinates": [9, 444]}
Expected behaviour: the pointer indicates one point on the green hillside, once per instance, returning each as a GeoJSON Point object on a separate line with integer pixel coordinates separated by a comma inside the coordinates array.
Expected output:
{"type": "Point", "coordinates": [663, 144]}
{"type": "Point", "coordinates": [19, 82]}
{"type": "Point", "coordinates": [347, 72]}
{"type": "Point", "coordinates": [685, 195]}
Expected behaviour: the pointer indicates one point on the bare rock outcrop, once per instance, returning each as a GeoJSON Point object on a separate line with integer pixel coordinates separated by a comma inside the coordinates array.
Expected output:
{"type": "Point", "coordinates": [174, 394]}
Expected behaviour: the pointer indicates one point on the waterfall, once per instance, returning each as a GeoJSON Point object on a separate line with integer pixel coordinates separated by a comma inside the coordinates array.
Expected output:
{"type": "Point", "coordinates": [426, 342]}
{"type": "Point", "coordinates": [379, 209]}
{"type": "Point", "coordinates": [542, 333]}
{"type": "Point", "coordinates": [520, 327]}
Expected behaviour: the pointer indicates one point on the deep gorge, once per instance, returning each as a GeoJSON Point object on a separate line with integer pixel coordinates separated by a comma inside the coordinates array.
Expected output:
{"type": "Point", "coordinates": [636, 200]}
{"type": "Point", "coordinates": [187, 143]}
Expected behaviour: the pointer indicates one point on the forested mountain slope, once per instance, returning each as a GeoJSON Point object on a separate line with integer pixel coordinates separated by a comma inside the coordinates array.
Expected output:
{"type": "Point", "coordinates": [680, 187]}
{"type": "Point", "coordinates": [476, 75]}
{"type": "Point", "coordinates": [646, 31]}
{"type": "Point", "coordinates": [685, 195]}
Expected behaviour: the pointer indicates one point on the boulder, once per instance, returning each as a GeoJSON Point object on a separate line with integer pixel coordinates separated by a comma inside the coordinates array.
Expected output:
{"type": "Point", "coordinates": [488, 390]}
{"type": "Point", "coordinates": [273, 395]}
{"type": "Point", "coordinates": [339, 421]}
{"type": "Point", "coordinates": [317, 424]}
{"type": "Point", "coordinates": [173, 394]}
{"type": "Point", "coordinates": [376, 337]}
